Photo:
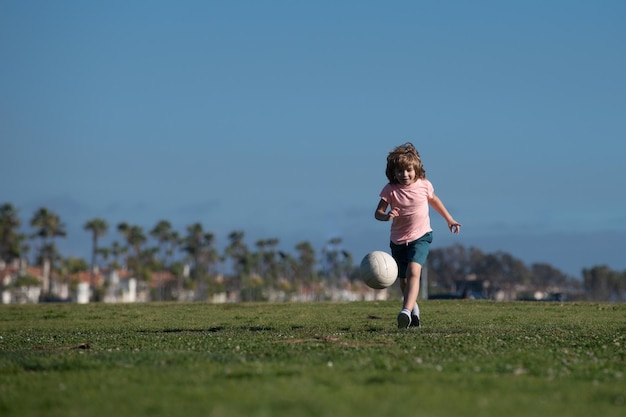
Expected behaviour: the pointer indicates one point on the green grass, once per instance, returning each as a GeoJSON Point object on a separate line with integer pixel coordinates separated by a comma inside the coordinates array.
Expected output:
{"type": "Point", "coordinates": [322, 359]}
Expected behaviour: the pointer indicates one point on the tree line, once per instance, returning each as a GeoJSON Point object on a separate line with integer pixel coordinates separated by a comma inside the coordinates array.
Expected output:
{"type": "Point", "coordinates": [192, 261]}
{"type": "Point", "coordinates": [501, 271]}
{"type": "Point", "coordinates": [190, 258]}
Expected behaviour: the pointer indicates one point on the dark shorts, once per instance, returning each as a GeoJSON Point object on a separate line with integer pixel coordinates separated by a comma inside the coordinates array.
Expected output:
{"type": "Point", "coordinates": [415, 251]}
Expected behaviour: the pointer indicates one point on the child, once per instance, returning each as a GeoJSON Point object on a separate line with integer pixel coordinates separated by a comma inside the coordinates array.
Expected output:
{"type": "Point", "coordinates": [408, 195]}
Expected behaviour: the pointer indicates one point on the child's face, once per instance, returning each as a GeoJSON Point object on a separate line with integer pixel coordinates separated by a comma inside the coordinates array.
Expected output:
{"type": "Point", "coordinates": [405, 176]}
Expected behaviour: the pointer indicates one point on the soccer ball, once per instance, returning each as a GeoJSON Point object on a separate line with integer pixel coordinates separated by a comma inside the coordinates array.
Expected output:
{"type": "Point", "coordinates": [378, 270]}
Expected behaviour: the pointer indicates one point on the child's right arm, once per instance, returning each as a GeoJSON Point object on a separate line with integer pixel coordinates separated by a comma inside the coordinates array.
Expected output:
{"type": "Point", "coordinates": [381, 212]}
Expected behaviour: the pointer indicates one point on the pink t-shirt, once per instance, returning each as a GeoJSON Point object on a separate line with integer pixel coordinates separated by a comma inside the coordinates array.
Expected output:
{"type": "Point", "coordinates": [413, 221]}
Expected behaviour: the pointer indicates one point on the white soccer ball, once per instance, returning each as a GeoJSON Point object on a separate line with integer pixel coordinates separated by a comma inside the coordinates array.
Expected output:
{"type": "Point", "coordinates": [378, 270]}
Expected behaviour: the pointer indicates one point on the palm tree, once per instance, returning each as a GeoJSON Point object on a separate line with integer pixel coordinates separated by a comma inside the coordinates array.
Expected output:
{"type": "Point", "coordinates": [135, 238]}
{"type": "Point", "coordinates": [239, 254]}
{"type": "Point", "coordinates": [105, 253]}
{"type": "Point", "coordinates": [332, 262]}
{"type": "Point", "coordinates": [306, 262]}
{"type": "Point", "coordinates": [116, 250]}
{"type": "Point", "coordinates": [98, 228]}
{"type": "Point", "coordinates": [347, 264]}
{"type": "Point", "coordinates": [199, 246]}
{"type": "Point", "coordinates": [258, 258]}
{"type": "Point", "coordinates": [173, 243]}
{"type": "Point", "coordinates": [267, 267]}
{"type": "Point", "coordinates": [48, 257]}
{"type": "Point", "coordinates": [24, 246]}
{"type": "Point", "coordinates": [48, 224]}
{"type": "Point", "coordinates": [49, 227]}
{"type": "Point", "coordinates": [193, 247]}
{"type": "Point", "coordinates": [162, 232]}
{"type": "Point", "coordinates": [9, 236]}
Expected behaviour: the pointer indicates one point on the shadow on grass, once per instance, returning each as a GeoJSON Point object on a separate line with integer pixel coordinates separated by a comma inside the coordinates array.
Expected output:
{"type": "Point", "coordinates": [178, 330]}
{"type": "Point", "coordinates": [214, 329]}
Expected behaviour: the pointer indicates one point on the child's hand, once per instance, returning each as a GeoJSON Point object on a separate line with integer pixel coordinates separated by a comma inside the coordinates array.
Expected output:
{"type": "Point", "coordinates": [394, 212]}
{"type": "Point", "coordinates": [454, 227]}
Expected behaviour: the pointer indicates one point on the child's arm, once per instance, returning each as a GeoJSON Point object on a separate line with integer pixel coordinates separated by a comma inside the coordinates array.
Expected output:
{"type": "Point", "coordinates": [381, 212]}
{"type": "Point", "coordinates": [437, 204]}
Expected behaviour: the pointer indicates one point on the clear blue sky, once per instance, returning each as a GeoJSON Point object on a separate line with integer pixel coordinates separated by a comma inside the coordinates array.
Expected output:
{"type": "Point", "coordinates": [275, 117]}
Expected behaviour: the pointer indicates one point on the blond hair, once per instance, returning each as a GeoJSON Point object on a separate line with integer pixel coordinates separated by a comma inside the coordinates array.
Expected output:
{"type": "Point", "coordinates": [404, 157]}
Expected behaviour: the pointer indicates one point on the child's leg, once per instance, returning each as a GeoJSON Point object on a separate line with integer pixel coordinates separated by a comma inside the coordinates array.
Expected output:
{"type": "Point", "coordinates": [415, 310]}
{"type": "Point", "coordinates": [411, 288]}
{"type": "Point", "coordinates": [402, 285]}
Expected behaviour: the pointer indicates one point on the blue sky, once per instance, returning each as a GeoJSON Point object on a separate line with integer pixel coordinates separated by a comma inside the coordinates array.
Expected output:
{"type": "Point", "coordinates": [275, 117]}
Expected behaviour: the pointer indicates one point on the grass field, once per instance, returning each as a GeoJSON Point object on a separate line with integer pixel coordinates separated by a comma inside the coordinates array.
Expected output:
{"type": "Point", "coordinates": [470, 358]}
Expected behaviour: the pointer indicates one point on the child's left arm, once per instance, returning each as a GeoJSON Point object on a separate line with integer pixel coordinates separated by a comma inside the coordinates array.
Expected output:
{"type": "Point", "coordinates": [437, 204]}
